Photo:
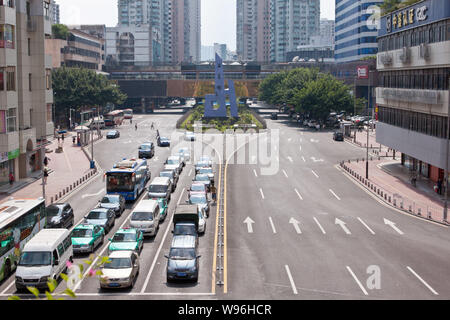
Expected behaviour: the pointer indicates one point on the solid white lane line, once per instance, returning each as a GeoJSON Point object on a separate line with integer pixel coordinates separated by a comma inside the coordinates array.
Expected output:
{"type": "Point", "coordinates": [254, 171]}
{"type": "Point", "coordinates": [262, 193]}
{"type": "Point", "coordinates": [323, 231]}
{"type": "Point", "coordinates": [298, 194]}
{"type": "Point", "coordinates": [365, 225]}
{"type": "Point", "coordinates": [272, 225]}
{"type": "Point", "coordinates": [317, 176]}
{"type": "Point", "coordinates": [285, 174]}
{"type": "Point", "coordinates": [169, 225]}
{"type": "Point", "coordinates": [423, 281]}
{"type": "Point", "coordinates": [300, 148]}
{"type": "Point", "coordinates": [190, 172]}
{"type": "Point", "coordinates": [334, 194]}
{"type": "Point", "coordinates": [291, 280]}
{"type": "Point", "coordinates": [357, 281]}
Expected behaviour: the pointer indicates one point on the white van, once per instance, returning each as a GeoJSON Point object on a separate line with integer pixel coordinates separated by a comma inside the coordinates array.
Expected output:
{"type": "Point", "coordinates": [161, 187]}
{"type": "Point", "coordinates": [97, 123]}
{"type": "Point", "coordinates": [145, 217]}
{"type": "Point", "coordinates": [44, 256]}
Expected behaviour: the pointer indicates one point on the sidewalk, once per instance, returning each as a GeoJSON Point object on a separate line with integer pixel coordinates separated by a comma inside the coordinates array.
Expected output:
{"type": "Point", "coordinates": [391, 183]}
{"type": "Point", "coordinates": [374, 147]}
{"type": "Point", "coordinates": [67, 170]}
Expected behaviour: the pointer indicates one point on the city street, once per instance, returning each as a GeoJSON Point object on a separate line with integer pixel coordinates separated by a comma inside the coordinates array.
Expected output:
{"type": "Point", "coordinates": [306, 232]}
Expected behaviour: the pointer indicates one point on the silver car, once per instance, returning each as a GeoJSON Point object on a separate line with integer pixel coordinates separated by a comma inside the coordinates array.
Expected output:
{"type": "Point", "coordinates": [120, 271]}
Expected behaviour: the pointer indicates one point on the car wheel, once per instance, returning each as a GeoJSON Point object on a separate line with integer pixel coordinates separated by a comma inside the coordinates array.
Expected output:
{"type": "Point", "coordinates": [103, 240]}
{"type": "Point", "coordinates": [7, 268]}
{"type": "Point", "coordinates": [92, 248]}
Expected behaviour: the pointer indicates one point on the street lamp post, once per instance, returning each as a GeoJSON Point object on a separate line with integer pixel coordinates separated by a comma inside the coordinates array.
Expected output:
{"type": "Point", "coordinates": [368, 128]}
{"type": "Point", "coordinates": [446, 155]}
{"type": "Point", "coordinates": [92, 144]}
{"type": "Point", "coordinates": [70, 117]}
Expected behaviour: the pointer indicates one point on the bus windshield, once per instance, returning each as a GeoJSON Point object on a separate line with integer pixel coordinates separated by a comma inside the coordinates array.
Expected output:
{"type": "Point", "coordinates": [119, 182]}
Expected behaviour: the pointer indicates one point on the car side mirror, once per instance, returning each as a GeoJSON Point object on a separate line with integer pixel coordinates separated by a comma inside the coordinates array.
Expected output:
{"type": "Point", "coordinates": [110, 239]}
{"type": "Point", "coordinates": [199, 256]}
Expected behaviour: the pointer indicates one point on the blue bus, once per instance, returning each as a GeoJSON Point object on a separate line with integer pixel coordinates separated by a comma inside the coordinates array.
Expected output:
{"type": "Point", "coordinates": [128, 178]}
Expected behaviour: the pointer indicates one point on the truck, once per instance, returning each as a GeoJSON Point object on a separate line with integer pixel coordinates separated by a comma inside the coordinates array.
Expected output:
{"type": "Point", "coordinates": [185, 219]}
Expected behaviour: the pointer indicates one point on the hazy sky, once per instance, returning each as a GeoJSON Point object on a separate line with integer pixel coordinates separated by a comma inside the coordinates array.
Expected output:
{"type": "Point", "coordinates": [218, 16]}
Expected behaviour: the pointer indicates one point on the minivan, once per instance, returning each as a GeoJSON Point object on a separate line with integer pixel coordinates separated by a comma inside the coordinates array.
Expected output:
{"type": "Point", "coordinates": [44, 256]}
{"type": "Point", "coordinates": [161, 187]}
{"type": "Point", "coordinates": [145, 217]}
{"type": "Point", "coordinates": [183, 259]}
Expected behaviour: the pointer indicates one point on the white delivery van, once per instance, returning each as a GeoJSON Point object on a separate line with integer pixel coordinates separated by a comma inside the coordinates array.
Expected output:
{"type": "Point", "coordinates": [145, 217]}
{"type": "Point", "coordinates": [161, 187]}
{"type": "Point", "coordinates": [44, 256]}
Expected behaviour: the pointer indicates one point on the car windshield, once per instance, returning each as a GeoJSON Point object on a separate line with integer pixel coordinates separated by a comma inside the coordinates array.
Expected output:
{"type": "Point", "coordinates": [51, 211]}
{"type": "Point", "coordinates": [110, 199]}
{"type": "Point", "coordinates": [206, 170]}
{"type": "Point", "coordinates": [198, 187]}
{"type": "Point", "coordinates": [97, 215]}
{"type": "Point", "coordinates": [124, 237]}
{"type": "Point", "coordinates": [197, 199]}
{"type": "Point", "coordinates": [142, 216]}
{"type": "Point", "coordinates": [173, 161]}
{"type": "Point", "coordinates": [184, 229]}
{"type": "Point", "coordinates": [146, 147]}
{"type": "Point", "coordinates": [111, 133]}
{"type": "Point", "coordinates": [82, 233]}
{"type": "Point", "coordinates": [164, 139]}
{"type": "Point", "coordinates": [35, 258]}
{"type": "Point", "coordinates": [166, 174]}
{"type": "Point", "coordinates": [118, 263]}
{"type": "Point", "coordinates": [182, 254]}
{"type": "Point", "coordinates": [155, 188]}
{"type": "Point", "coordinates": [202, 177]}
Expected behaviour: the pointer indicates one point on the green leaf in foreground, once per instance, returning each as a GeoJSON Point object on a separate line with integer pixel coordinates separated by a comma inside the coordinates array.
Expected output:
{"type": "Point", "coordinates": [70, 293]}
{"type": "Point", "coordinates": [34, 291]}
{"type": "Point", "coordinates": [14, 298]}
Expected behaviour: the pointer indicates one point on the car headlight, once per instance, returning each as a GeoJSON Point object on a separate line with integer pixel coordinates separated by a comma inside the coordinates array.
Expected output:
{"type": "Point", "coordinates": [44, 279]}
{"type": "Point", "coordinates": [19, 279]}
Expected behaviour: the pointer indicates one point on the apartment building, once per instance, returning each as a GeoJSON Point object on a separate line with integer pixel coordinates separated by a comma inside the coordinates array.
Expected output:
{"type": "Point", "coordinates": [79, 50]}
{"type": "Point", "coordinates": [355, 29]}
{"type": "Point", "coordinates": [413, 93]}
{"type": "Point", "coordinates": [26, 95]}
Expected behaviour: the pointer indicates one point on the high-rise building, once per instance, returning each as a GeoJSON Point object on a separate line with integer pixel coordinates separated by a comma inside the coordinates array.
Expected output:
{"type": "Point", "coordinates": [54, 7]}
{"type": "Point", "coordinates": [355, 32]}
{"type": "Point", "coordinates": [327, 31]}
{"type": "Point", "coordinates": [293, 22]}
{"type": "Point", "coordinates": [176, 24]}
{"type": "Point", "coordinates": [207, 53]}
{"type": "Point", "coordinates": [221, 50]}
{"type": "Point", "coordinates": [253, 30]}
{"type": "Point", "coordinates": [25, 86]}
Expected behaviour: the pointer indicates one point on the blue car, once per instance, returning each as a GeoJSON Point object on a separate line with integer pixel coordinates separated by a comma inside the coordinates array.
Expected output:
{"type": "Point", "coordinates": [163, 142]}
{"type": "Point", "coordinates": [113, 134]}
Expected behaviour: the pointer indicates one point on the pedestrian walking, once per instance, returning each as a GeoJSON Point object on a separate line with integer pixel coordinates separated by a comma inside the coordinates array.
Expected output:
{"type": "Point", "coordinates": [62, 138]}
{"type": "Point", "coordinates": [73, 139]}
{"type": "Point", "coordinates": [59, 139]}
{"type": "Point", "coordinates": [153, 126]}
{"type": "Point", "coordinates": [45, 174]}
{"type": "Point", "coordinates": [135, 126]}
{"type": "Point", "coordinates": [213, 192]}
{"type": "Point", "coordinates": [439, 186]}
{"type": "Point", "coordinates": [46, 160]}
{"type": "Point", "coordinates": [11, 178]}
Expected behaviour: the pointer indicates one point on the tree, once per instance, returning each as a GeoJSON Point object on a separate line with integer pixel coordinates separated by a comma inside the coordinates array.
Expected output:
{"type": "Point", "coordinates": [322, 96]}
{"type": "Point", "coordinates": [78, 87]}
{"type": "Point", "coordinates": [60, 31]}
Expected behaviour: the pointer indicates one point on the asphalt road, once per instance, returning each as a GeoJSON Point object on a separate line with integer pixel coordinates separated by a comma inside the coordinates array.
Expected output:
{"type": "Point", "coordinates": [305, 232]}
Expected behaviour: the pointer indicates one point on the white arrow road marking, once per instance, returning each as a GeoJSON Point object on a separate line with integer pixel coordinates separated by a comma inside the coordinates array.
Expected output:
{"type": "Point", "coordinates": [314, 141]}
{"type": "Point", "coordinates": [334, 194]}
{"type": "Point", "coordinates": [93, 195]}
{"type": "Point", "coordinates": [272, 225]}
{"type": "Point", "coordinates": [423, 281]}
{"type": "Point", "coordinates": [262, 193]}
{"type": "Point", "coordinates": [296, 225]}
{"type": "Point", "coordinates": [249, 223]}
{"type": "Point", "coordinates": [343, 225]}
{"type": "Point", "coordinates": [365, 225]}
{"type": "Point", "coordinates": [303, 158]}
{"type": "Point", "coordinates": [290, 159]}
{"type": "Point", "coordinates": [316, 160]}
{"type": "Point", "coordinates": [285, 174]}
{"type": "Point", "coordinates": [291, 280]}
{"type": "Point", "coordinates": [323, 231]}
{"type": "Point", "coordinates": [254, 171]}
{"type": "Point", "coordinates": [317, 176]}
{"type": "Point", "coordinates": [393, 226]}
{"type": "Point", "coordinates": [357, 281]}
{"type": "Point", "coordinates": [300, 148]}
{"type": "Point", "coordinates": [298, 194]}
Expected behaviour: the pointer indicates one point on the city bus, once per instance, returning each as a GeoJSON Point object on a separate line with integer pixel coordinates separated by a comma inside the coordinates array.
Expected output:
{"type": "Point", "coordinates": [114, 118]}
{"type": "Point", "coordinates": [20, 220]}
{"type": "Point", "coordinates": [128, 114]}
{"type": "Point", "coordinates": [128, 178]}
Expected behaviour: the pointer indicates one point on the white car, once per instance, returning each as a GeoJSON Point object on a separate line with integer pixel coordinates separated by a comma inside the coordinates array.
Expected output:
{"type": "Point", "coordinates": [176, 160]}
{"type": "Point", "coordinates": [201, 220]}
{"type": "Point", "coordinates": [186, 152]}
{"type": "Point", "coordinates": [189, 136]}
{"type": "Point", "coordinates": [121, 270]}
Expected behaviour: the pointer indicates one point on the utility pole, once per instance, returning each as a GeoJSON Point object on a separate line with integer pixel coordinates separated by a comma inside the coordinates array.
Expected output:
{"type": "Point", "coordinates": [354, 105]}
{"type": "Point", "coordinates": [92, 144]}
{"type": "Point", "coordinates": [43, 168]}
{"type": "Point", "coordinates": [368, 128]}
{"type": "Point", "coordinates": [446, 156]}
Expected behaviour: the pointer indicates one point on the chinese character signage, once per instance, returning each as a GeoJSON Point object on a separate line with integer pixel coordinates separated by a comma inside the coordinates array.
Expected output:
{"type": "Point", "coordinates": [404, 18]}
{"type": "Point", "coordinates": [362, 72]}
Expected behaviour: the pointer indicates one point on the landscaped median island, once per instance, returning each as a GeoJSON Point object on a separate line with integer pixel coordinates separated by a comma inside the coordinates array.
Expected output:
{"type": "Point", "coordinates": [246, 120]}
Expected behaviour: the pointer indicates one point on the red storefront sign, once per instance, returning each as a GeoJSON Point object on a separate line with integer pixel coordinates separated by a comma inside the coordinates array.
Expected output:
{"type": "Point", "coordinates": [363, 72]}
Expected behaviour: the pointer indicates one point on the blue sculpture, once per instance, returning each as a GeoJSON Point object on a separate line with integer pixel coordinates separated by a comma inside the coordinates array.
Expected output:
{"type": "Point", "coordinates": [220, 95]}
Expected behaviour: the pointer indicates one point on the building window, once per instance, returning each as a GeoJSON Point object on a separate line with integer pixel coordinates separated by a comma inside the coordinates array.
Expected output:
{"type": "Point", "coordinates": [47, 10]}
{"type": "Point", "coordinates": [7, 3]}
{"type": "Point", "coordinates": [11, 120]}
{"type": "Point", "coordinates": [2, 79]}
{"type": "Point", "coordinates": [29, 47]}
{"type": "Point", "coordinates": [7, 36]}
{"type": "Point", "coordinates": [11, 79]}
{"type": "Point", "coordinates": [29, 81]}
{"type": "Point", "coordinates": [49, 112]}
